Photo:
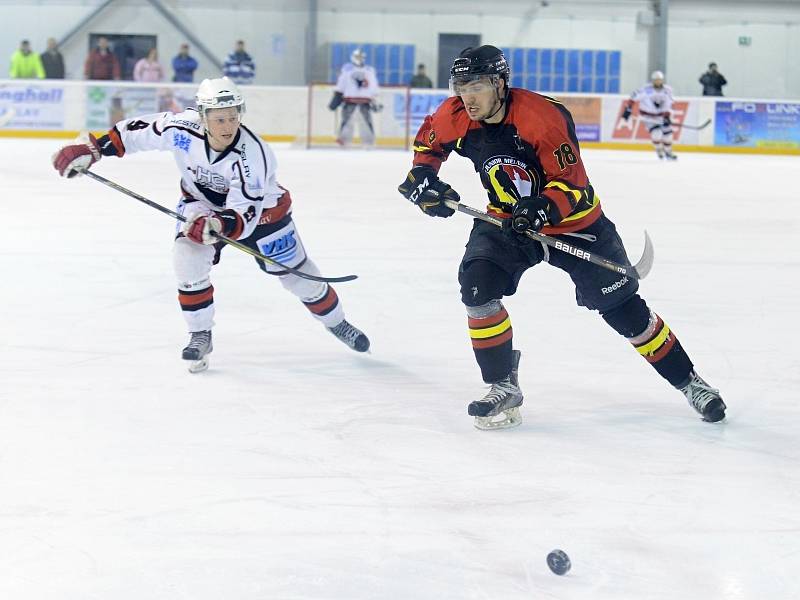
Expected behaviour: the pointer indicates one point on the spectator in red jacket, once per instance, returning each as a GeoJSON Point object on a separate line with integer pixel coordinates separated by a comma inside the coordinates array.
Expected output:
{"type": "Point", "coordinates": [101, 62]}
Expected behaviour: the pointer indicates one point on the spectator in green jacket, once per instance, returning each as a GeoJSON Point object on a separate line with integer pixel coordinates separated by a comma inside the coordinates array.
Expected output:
{"type": "Point", "coordinates": [26, 64]}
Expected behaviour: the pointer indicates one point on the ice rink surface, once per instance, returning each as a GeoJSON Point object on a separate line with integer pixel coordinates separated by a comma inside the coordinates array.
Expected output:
{"type": "Point", "coordinates": [296, 469]}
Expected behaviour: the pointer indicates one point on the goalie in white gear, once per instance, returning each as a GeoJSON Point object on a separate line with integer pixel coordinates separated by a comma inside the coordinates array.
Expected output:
{"type": "Point", "coordinates": [655, 108]}
{"type": "Point", "coordinates": [356, 92]}
{"type": "Point", "coordinates": [229, 186]}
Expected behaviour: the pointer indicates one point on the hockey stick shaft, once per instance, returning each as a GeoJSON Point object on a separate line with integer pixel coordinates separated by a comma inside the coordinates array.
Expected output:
{"type": "Point", "coordinates": [231, 242]}
{"type": "Point", "coordinates": [637, 271]}
{"type": "Point", "coordinates": [702, 125]}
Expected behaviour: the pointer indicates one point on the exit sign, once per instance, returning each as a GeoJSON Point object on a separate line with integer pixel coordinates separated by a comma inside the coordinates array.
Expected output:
{"type": "Point", "coordinates": [745, 40]}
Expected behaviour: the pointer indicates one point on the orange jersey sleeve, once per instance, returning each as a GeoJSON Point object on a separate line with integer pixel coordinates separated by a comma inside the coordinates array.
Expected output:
{"type": "Point", "coordinates": [439, 134]}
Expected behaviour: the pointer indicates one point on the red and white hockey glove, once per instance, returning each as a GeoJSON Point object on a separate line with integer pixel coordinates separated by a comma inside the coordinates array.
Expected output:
{"type": "Point", "coordinates": [77, 157]}
{"type": "Point", "coordinates": [199, 228]}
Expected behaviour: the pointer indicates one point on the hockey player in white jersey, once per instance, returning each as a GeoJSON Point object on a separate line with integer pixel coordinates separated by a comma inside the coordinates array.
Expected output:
{"type": "Point", "coordinates": [655, 107]}
{"type": "Point", "coordinates": [229, 186]}
{"type": "Point", "coordinates": [356, 92]}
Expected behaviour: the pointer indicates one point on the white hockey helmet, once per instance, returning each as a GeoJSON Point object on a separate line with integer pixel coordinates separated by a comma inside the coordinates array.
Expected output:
{"type": "Point", "coordinates": [357, 57]}
{"type": "Point", "coordinates": [657, 75]}
{"type": "Point", "coordinates": [218, 93]}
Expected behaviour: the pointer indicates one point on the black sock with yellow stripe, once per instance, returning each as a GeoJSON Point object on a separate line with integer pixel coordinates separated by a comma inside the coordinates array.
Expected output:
{"type": "Point", "coordinates": [652, 338]}
{"type": "Point", "coordinates": [491, 337]}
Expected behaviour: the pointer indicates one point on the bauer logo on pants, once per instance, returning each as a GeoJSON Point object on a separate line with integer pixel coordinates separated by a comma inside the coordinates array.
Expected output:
{"type": "Point", "coordinates": [283, 246]}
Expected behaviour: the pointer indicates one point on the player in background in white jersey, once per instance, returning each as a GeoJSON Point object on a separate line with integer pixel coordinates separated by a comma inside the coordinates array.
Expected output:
{"type": "Point", "coordinates": [655, 106]}
{"type": "Point", "coordinates": [229, 186]}
{"type": "Point", "coordinates": [356, 92]}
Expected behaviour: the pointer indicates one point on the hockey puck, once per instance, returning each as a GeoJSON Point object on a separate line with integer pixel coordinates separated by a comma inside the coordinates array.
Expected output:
{"type": "Point", "coordinates": [559, 562]}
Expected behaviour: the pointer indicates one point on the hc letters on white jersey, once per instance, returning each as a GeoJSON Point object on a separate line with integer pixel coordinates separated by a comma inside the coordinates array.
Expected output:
{"type": "Point", "coordinates": [653, 100]}
{"type": "Point", "coordinates": [242, 178]}
{"type": "Point", "coordinates": [357, 82]}
{"type": "Point", "coordinates": [284, 246]}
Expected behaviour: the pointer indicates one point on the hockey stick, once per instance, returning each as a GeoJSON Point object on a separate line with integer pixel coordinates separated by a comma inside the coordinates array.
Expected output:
{"type": "Point", "coordinates": [702, 125]}
{"type": "Point", "coordinates": [638, 271]}
{"type": "Point", "coordinates": [220, 237]}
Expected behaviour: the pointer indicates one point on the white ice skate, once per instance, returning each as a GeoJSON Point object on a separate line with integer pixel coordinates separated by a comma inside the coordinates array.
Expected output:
{"type": "Point", "coordinates": [198, 350]}
{"type": "Point", "coordinates": [503, 400]}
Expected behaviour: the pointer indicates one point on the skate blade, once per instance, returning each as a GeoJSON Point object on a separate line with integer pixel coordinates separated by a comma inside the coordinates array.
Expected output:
{"type": "Point", "coordinates": [198, 366]}
{"type": "Point", "coordinates": [509, 418]}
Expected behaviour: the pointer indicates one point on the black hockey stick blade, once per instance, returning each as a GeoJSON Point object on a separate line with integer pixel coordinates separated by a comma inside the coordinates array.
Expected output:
{"type": "Point", "coordinates": [702, 125]}
{"type": "Point", "coordinates": [231, 242]}
{"type": "Point", "coordinates": [637, 271]}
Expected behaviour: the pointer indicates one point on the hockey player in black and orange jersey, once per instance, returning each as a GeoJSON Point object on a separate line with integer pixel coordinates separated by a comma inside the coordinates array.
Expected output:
{"type": "Point", "coordinates": [523, 146]}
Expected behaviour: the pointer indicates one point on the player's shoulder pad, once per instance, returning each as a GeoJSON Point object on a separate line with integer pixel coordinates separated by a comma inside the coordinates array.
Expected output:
{"type": "Point", "coordinates": [550, 112]}
{"type": "Point", "coordinates": [450, 121]}
{"type": "Point", "coordinates": [527, 100]}
{"type": "Point", "coordinates": [188, 119]}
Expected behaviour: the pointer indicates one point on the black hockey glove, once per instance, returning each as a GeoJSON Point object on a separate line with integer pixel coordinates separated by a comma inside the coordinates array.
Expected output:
{"type": "Point", "coordinates": [626, 114]}
{"type": "Point", "coordinates": [424, 188]}
{"type": "Point", "coordinates": [337, 99]}
{"type": "Point", "coordinates": [667, 121]}
{"type": "Point", "coordinates": [530, 213]}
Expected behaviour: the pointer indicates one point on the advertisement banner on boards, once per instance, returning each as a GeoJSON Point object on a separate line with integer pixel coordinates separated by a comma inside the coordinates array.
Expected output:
{"type": "Point", "coordinates": [106, 105]}
{"type": "Point", "coordinates": [421, 104]}
{"type": "Point", "coordinates": [586, 111]}
{"type": "Point", "coordinates": [32, 106]}
{"type": "Point", "coordinates": [757, 124]}
{"type": "Point", "coordinates": [636, 128]}
{"type": "Point", "coordinates": [587, 114]}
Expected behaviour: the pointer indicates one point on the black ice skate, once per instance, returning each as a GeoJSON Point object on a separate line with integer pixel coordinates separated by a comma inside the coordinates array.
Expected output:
{"type": "Point", "coordinates": [352, 336]}
{"type": "Point", "coordinates": [704, 399]}
{"type": "Point", "coordinates": [198, 350]}
{"type": "Point", "coordinates": [503, 399]}
{"type": "Point", "coordinates": [670, 156]}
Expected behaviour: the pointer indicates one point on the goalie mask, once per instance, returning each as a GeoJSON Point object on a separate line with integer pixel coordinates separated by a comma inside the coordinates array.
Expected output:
{"type": "Point", "coordinates": [358, 57]}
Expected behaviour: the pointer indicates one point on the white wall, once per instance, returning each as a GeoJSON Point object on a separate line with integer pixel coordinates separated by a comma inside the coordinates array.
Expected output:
{"type": "Point", "coordinates": [274, 32]}
{"type": "Point", "coordinates": [275, 38]}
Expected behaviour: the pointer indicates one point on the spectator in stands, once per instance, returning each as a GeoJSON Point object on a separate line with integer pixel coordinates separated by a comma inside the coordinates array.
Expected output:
{"type": "Point", "coordinates": [25, 63]}
{"type": "Point", "coordinates": [421, 80]}
{"type": "Point", "coordinates": [148, 69]}
{"type": "Point", "coordinates": [101, 62]}
{"type": "Point", "coordinates": [239, 66]}
{"type": "Point", "coordinates": [184, 65]}
{"type": "Point", "coordinates": [52, 61]}
{"type": "Point", "coordinates": [712, 81]}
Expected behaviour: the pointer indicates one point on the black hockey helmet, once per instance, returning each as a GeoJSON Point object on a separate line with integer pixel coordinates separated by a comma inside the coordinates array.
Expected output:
{"type": "Point", "coordinates": [475, 62]}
